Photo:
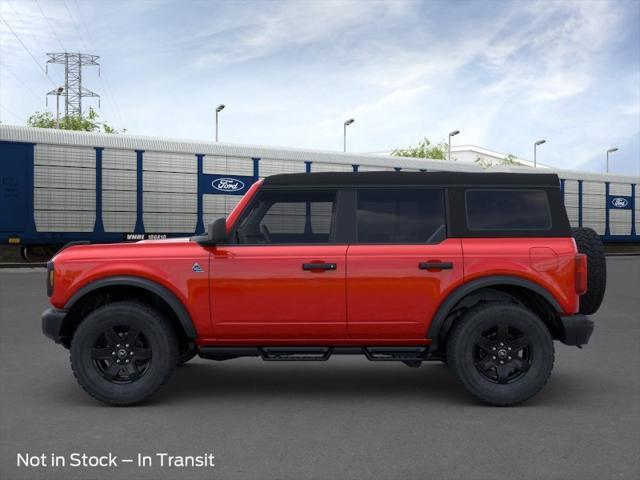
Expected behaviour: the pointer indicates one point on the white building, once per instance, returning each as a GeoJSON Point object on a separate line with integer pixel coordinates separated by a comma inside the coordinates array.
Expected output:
{"type": "Point", "coordinates": [470, 153]}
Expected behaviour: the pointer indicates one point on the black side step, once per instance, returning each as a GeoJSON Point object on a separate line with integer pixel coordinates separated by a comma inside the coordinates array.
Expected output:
{"type": "Point", "coordinates": [395, 354]}
{"type": "Point", "coordinates": [228, 353]}
{"type": "Point", "coordinates": [318, 353]}
{"type": "Point", "coordinates": [279, 354]}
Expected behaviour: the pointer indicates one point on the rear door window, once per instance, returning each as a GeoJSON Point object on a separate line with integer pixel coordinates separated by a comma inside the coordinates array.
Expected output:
{"type": "Point", "coordinates": [489, 209]}
{"type": "Point", "coordinates": [400, 216]}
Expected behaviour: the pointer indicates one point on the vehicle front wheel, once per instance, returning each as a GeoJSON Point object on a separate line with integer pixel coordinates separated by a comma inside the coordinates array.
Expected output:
{"type": "Point", "coordinates": [123, 352]}
{"type": "Point", "coordinates": [502, 353]}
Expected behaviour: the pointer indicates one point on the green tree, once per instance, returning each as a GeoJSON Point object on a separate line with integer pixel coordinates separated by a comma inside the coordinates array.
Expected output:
{"type": "Point", "coordinates": [510, 160]}
{"type": "Point", "coordinates": [424, 149]}
{"type": "Point", "coordinates": [88, 123]}
{"type": "Point", "coordinates": [483, 162]}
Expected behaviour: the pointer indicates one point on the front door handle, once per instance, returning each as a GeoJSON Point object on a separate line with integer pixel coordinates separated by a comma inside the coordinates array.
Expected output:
{"type": "Point", "coordinates": [319, 266]}
{"type": "Point", "coordinates": [435, 265]}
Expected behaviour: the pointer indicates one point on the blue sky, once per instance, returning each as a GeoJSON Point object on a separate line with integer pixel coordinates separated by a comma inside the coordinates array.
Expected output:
{"type": "Point", "coordinates": [504, 73]}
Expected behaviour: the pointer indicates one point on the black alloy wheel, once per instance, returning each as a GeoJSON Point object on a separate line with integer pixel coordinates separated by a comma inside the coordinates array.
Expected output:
{"type": "Point", "coordinates": [122, 354]}
{"type": "Point", "coordinates": [502, 354]}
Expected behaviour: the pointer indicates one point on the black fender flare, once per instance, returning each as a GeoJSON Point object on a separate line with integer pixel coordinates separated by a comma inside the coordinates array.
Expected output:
{"type": "Point", "coordinates": [438, 323]}
{"type": "Point", "coordinates": [125, 280]}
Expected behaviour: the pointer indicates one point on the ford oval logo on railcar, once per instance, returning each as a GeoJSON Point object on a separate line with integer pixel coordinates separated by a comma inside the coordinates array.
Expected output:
{"type": "Point", "coordinates": [227, 184]}
{"type": "Point", "coordinates": [619, 202]}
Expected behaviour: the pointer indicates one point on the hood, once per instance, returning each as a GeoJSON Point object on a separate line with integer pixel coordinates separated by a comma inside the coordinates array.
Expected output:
{"type": "Point", "coordinates": [165, 248]}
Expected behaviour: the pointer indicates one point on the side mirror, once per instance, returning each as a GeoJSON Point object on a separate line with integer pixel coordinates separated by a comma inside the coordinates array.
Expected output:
{"type": "Point", "coordinates": [217, 231]}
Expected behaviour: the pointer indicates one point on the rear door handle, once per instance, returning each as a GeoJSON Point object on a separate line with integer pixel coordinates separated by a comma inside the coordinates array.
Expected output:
{"type": "Point", "coordinates": [435, 265]}
{"type": "Point", "coordinates": [319, 266]}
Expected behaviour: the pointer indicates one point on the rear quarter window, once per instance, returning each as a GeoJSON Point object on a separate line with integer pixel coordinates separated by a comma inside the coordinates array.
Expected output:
{"type": "Point", "coordinates": [505, 210]}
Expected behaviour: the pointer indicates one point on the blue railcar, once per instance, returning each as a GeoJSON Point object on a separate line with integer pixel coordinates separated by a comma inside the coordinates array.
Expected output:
{"type": "Point", "coordinates": [59, 186]}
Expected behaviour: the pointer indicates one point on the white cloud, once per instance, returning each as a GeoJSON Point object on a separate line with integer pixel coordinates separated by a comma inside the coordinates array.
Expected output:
{"type": "Point", "coordinates": [552, 57]}
{"type": "Point", "coordinates": [291, 72]}
{"type": "Point", "coordinates": [263, 31]}
{"type": "Point", "coordinates": [394, 100]}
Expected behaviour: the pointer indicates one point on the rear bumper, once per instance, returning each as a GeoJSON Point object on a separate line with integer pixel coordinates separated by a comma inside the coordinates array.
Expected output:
{"type": "Point", "coordinates": [575, 329]}
{"type": "Point", "coordinates": [52, 319]}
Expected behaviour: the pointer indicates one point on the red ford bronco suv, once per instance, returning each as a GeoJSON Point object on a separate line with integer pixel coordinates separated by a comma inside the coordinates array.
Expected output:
{"type": "Point", "coordinates": [480, 271]}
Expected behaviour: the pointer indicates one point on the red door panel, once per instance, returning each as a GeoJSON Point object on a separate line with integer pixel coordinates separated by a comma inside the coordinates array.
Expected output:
{"type": "Point", "coordinates": [263, 293]}
{"type": "Point", "coordinates": [389, 297]}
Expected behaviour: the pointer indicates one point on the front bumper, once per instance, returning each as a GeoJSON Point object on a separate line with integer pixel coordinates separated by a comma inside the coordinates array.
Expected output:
{"type": "Point", "coordinates": [575, 329]}
{"type": "Point", "coordinates": [52, 319]}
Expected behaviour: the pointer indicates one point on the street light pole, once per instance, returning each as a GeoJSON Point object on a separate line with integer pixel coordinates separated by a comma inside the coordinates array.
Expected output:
{"type": "Point", "coordinates": [535, 152]}
{"type": "Point", "coordinates": [611, 150]}
{"type": "Point", "coordinates": [452, 134]}
{"type": "Point", "coordinates": [59, 91]}
{"type": "Point", "coordinates": [344, 134]}
{"type": "Point", "coordinates": [219, 108]}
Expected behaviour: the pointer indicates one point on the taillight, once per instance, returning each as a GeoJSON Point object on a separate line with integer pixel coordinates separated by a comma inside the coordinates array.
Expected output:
{"type": "Point", "coordinates": [581, 273]}
{"type": "Point", "coordinates": [50, 278]}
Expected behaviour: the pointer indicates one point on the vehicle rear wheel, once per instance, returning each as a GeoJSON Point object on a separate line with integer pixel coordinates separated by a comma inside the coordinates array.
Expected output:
{"type": "Point", "coordinates": [589, 243]}
{"type": "Point", "coordinates": [501, 352]}
{"type": "Point", "coordinates": [123, 352]}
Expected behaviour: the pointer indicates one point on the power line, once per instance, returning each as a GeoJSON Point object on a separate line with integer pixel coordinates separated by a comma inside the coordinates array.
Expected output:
{"type": "Point", "coordinates": [10, 112]}
{"type": "Point", "coordinates": [50, 27]}
{"type": "Point", "coordinates": [24, 25]}
{"type": "Point", "coordinates": [20, 81]}
{"type": "Point", "coordinates": [74, 91]}
{"type": "Point", "coordinates": [113, 101]}
{"type": "Point", "coordinates": [75, 27]}
{"type": "Point", "coordinates": [106, 84]}
{"type": "Point", "coordinates": [28, 51]}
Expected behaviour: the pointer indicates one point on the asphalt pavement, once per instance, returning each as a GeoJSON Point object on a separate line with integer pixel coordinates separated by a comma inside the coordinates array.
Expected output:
{"type": "Point", "coordinates": [346, 418]}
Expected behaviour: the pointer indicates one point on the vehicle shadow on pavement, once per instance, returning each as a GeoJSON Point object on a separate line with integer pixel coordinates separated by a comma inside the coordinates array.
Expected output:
{"type": "Point", "coordinates": [239, 380]}
{"type": "Point", "coordinates": [350, 382]}
{"type": "Point", "coordinates": [431, 383]}
{"type": "Point", "coordinates": [334, 378]}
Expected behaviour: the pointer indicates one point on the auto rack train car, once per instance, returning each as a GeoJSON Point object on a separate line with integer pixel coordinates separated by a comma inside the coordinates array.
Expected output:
{"type": "Point", "coordinates": [60, 186]}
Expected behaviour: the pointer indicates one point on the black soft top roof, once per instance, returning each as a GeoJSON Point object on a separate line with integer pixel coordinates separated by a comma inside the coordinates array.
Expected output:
{"type": "Point", "coordinates": [414, 178]}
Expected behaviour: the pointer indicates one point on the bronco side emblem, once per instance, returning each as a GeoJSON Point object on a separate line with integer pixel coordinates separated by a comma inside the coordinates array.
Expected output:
{"type": "Point", "coordinates": [196, 268]}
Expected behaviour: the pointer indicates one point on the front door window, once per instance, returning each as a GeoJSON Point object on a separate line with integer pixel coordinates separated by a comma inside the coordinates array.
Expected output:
{"type": "Point", "coordinates": [289, 217]}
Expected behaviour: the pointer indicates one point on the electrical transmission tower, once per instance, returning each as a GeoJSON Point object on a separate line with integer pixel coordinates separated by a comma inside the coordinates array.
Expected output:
{"type": "Point", "coordinates": [74, 92]}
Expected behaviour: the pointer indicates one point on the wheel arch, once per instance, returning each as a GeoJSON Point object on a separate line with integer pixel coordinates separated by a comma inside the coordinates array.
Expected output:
{"type": "Point", "coordinates": [94, 294]}
{"type": "Point", "coordinates": [530, 293]}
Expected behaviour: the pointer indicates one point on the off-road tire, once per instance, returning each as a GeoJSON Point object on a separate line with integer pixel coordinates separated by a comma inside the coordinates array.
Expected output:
{"type": "Point", "coordinates": [463, 352]}
{"type": "Point", "coordinates": [154, 339]}
{"type": "Point", "coordinates": [589, 243]}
